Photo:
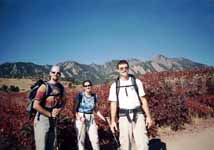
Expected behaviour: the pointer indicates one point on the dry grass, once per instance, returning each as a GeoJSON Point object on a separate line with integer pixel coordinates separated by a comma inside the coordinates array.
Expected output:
{"type": "Point", "coordinates": [23, 84]}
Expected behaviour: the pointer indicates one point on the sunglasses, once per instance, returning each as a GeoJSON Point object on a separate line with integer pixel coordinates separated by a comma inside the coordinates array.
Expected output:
{"type": "Point", "coordinates": [124, 68]}
{"type": "Point", "coordinates": [58, 73]}
{"type": "Point", "coordinates": [88, 85]}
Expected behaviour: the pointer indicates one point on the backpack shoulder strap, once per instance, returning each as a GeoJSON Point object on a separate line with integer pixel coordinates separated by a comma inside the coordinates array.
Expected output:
{"type": "Point", "coordinates": [95, 97]}
{"type": "Point", "coordinates": [95, 101]}
{"type": "Point", "coordinates": [61, 89]}
{"type": "Point", "coordinates": [134, 82]}
{"type": "Point", "coordinates": [78, 100]}
{"type": "Point", "coordinates": [47, 89]}
{"type": "Point", "coordinates": [117, 82]}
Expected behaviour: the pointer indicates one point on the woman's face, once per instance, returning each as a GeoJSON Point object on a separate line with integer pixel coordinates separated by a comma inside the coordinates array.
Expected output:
{"type": "Point", "coordinates": [87, 86]}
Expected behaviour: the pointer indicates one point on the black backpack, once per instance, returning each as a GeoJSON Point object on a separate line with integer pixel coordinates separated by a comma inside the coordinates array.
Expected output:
{"type": "Point", "coordinates": [31, 111]}
{"type": "Point", "coordinates": [79, 97]}
{"type": "Point", "coordinates": [134, 83]}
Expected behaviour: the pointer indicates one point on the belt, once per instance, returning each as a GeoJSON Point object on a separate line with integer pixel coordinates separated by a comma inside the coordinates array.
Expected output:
{"type": "Point", "coordinates": [126, 112]}
{"type": "Point", "coordinates": [86, 112]}
{"type": "Point", "coordinates": [87, 116]}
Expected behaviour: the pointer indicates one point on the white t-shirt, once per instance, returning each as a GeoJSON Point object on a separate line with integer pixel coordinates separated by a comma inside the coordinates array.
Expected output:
{"type": "Point", "coordinates": [128, 98]}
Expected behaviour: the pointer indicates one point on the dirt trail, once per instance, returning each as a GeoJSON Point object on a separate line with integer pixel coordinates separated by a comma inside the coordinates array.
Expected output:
{"type": "Point", "coordinates": [203, 140]}
{"type": "Point", "coordinates": [196, 137]}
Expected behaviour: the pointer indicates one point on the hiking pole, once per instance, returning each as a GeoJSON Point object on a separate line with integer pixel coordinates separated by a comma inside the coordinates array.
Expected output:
{"type": "Point", "coordinates": [114, 136]}
{"type": "Point", "coordinates": [56, 146]}
{"type": "Point", "coordinates": [81, 130]}
{"type": "Point", "coordinates": [108, 121]}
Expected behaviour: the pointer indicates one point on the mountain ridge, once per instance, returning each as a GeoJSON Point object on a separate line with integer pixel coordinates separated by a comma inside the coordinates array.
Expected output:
{"type": "Point", "coordinates": [98, 73]}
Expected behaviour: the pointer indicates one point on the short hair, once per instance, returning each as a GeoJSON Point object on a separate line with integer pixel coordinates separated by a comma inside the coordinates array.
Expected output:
{"type": "Point", "coordinates": [89, 81]}
{"type": "Point", "coordinates": [55, 68]}
{"type": "Point", "coordinates": [122, 62]}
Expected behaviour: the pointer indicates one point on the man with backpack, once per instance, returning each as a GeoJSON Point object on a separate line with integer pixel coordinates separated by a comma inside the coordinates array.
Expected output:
{"type": "Point", "coordinates": [127, 98]}
{"type": "Point", "coordinates": [86, 105]}
{"type": "Point", "coordinates": [48, 103]}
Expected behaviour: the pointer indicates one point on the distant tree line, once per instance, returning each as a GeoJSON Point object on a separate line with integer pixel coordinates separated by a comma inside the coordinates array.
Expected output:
{"type": "Point", "coordinates": [10, 88]}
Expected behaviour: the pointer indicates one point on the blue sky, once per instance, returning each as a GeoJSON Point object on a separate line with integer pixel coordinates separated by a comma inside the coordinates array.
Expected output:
{"type": "Point", "coordinates": [96, 31]}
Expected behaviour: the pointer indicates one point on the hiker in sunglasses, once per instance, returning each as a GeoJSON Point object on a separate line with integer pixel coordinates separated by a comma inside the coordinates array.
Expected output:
{"type": "Point", "coordinates": [127, 97]}
{"type": "Point", "coordinates": [48, 103]}
{"type": "Point", "coordinates": [86, 105]}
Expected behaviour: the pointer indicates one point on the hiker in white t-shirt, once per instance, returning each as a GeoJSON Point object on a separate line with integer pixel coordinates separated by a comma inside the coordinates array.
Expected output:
{"type": "Point", "coordinates": [127, 96]}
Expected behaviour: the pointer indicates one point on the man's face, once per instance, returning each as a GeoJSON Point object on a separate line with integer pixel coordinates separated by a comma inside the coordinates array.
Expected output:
{"type": "Point", "coordinates": [55, 73]}
{"type": "Point", "coordinates": [123, 69]}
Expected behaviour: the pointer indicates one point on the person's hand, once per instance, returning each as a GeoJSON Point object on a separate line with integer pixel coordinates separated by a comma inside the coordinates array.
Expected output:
{"type": "Point", "coordinates": [113, 127]}
{"type": "Point", "coordinates": [149, 122]}
{"type": "Point", "coordinates": [82, 119]}
{"type": "Point", "coordinates": [55, 112]}
{"type": "Point", "coordinates": [79, 117]}
{"type": "Point", "coordinates": [100, 116]}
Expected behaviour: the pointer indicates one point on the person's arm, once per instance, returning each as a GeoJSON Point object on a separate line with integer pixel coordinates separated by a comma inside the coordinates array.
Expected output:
{"type": "Point", "coordinates": [100, 115]}
{"type": "Point", "coordinates": [144, 102]}
{"type": "Point", "coordinates": [113, 111]}
{"type": "Point", "coordinates": [96, 110]}
{"type": "Point", "coordinates": [113, 107]}
{"type": "Point", "coordinates": [62, 102]}
{"type": "Point", "coordinates": [76, 105]}
{"type": "Point", "coordinates": [56, 111]}
{"type": "Point", "coordinates": [40, 109]}
{"type": "Point", "coordinates": [113, 116]}
{"type": "Point", "coordinates": [38, 99]}
{"type": "Point", "coordinates": [145, 107]}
